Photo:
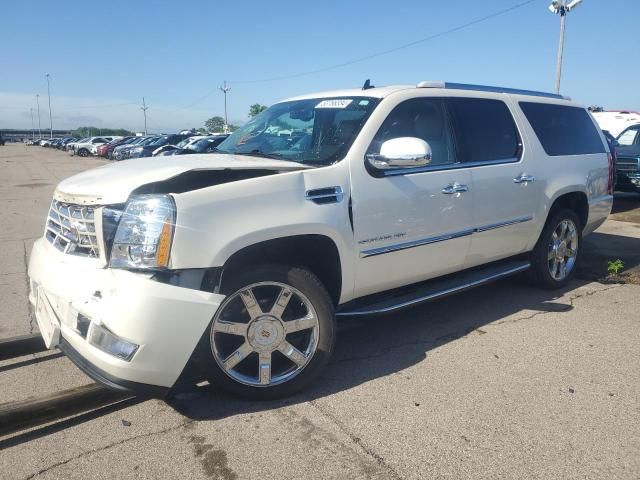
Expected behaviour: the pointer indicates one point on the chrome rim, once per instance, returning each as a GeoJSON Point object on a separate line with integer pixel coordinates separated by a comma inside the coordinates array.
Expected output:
{"type": "Point", "coordinates": [563, 250]}
{"type": "Point", "coordinates": [264, 334]}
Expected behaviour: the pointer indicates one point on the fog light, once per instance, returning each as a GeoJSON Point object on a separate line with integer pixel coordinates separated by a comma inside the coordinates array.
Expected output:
{"type": "Point", "coordinates": [111, 344]}
{"type": "Point", "coordinates": [82, 325]}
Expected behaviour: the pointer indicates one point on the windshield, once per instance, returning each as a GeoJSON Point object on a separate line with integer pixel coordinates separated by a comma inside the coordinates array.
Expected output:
{"type": "Point", "coordinates": [159, 141]}
{"type": "Point", "coordinates": [201, 145]}
{"type": "Point", "coordinates": [315, 131]}
{"type": "Point", "coordinates": [184, 143]}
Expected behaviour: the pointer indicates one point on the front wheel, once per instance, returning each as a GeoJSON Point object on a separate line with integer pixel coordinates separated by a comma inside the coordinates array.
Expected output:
{"type": "Point", "coordinates": [83, 153]}
{"type": "Point", "coordinates": [556, 253]}
{"type": "Point", "coordinates": [272, 335]}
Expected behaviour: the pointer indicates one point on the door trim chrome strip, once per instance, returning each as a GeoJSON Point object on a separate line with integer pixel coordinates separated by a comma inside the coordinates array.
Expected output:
{"type": "Point", "coordinates": [415, 243]}
{"type": "Point", "coordinates": [493, 226]}
{"type": "Point", "coordinates": [440, 294]}
{"type": "Point", "coordinates": [371, 252]}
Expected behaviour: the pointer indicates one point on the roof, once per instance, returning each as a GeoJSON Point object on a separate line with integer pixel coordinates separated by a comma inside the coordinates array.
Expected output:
{"type": "Point", "coordinates": [381, 92]}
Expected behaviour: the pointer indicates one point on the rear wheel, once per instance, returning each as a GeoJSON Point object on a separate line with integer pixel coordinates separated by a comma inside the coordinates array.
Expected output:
{"type": "Point", "coordinates": [272, 335]}
{"type": "Point", "coordinates": [83, 152]}
{"type": "Point", "coordinates": [557, 251]}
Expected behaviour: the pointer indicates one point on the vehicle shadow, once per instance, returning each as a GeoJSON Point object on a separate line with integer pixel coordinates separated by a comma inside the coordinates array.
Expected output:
{"type": "Point", "coordinates": [599, 248]}
{"type": "Point", "coordinates": [376, 347]}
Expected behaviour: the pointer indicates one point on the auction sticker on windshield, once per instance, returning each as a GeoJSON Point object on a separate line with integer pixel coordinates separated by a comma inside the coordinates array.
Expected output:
{"type": "Point", "coordinates": [47, 321]}
{"type": "Point", "coordinates": [335, 103]}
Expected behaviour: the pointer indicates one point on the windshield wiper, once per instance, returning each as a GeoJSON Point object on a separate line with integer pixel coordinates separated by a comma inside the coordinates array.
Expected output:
{"type": "Point", "coordinates": [257, 153]}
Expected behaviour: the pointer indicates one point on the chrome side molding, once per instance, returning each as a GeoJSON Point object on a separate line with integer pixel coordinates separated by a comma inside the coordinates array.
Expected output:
{"type": "Point", "coordinates": [441, 238]}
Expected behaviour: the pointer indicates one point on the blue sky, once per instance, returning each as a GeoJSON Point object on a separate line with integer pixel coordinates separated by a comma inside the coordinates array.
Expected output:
{"type": "Point", "coordinates": [104, 58]}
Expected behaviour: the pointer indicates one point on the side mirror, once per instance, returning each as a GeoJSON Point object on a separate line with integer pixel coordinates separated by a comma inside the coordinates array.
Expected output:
{"type": "Point", "coordinates": [402, 152]}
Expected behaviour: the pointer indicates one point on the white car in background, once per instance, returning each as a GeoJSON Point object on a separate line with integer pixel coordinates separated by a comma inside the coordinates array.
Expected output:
{"type": "Point", "coordinates": [616, 121]}
{"type": "Point", "coordinates": [89, 146]}
{"type": "Point", "coordinates": [183, 144]}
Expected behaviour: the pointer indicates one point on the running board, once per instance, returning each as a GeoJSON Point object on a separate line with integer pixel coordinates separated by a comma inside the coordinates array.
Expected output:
{"type": "Point", "coordinates": [416, 294]}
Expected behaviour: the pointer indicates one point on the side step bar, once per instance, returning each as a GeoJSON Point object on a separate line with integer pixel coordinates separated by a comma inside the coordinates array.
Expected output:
{"type": "Point", "coordinates": [416, 294]}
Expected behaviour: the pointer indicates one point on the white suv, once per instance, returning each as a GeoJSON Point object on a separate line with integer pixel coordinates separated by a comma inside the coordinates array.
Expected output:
{"type": "Point", "coordinates": [242, 260]}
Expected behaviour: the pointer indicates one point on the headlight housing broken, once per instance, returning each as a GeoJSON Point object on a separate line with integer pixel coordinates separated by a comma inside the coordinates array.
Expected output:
{"type": "Point", "coordinates": [145, 233]}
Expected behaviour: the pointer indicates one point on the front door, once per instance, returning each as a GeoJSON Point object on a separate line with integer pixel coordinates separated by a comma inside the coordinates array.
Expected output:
{"type": "Point", "coordinates": [412, 224]}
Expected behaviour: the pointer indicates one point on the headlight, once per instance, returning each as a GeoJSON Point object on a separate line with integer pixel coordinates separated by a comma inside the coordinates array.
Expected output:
{"type": "Point", "coordinates": [144, 234]}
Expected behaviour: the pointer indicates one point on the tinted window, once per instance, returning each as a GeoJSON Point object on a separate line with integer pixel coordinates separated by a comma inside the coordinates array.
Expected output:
{"type": "Point", "coordinates": [484, 129]}
{"type": "Point", "coordinates": [424, 118]}
{"type": "Point", "coordinates": [563, 130]}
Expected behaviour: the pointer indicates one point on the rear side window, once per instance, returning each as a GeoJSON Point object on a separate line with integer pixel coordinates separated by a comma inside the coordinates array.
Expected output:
{"type": "Point", "coordinates": [484, 129]}
{"type": "Point", "coordinates": [563, 130]}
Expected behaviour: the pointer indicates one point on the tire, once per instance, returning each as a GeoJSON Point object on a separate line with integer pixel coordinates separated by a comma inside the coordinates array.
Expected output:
{"type": "Point", "coordinates": [83, 152]}
{"type": "Point", "coordinates": [546, 266]}
{"type": "Point", "coordinates": [260, 346]}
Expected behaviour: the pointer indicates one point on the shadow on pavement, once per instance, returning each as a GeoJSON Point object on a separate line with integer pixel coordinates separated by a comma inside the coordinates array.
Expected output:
{"type": "Point", "coordinates": [600, 248]}
{"type": "Point", "coordinates": [375, 347]}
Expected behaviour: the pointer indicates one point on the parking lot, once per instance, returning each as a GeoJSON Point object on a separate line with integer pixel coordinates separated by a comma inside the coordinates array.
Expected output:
{"type": "Point", "coordinates": [505, 381]}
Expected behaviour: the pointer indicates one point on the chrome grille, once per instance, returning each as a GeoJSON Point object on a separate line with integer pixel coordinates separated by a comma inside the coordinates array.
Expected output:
{"type": "Point", "coordinates": [71, 229]}
{"type": "Point", "coordinates": [627, 165]}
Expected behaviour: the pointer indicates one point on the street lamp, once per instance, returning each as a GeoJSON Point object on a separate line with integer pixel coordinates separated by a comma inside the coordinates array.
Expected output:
{"type": "Point", "coordinates": [561, 7]}
{"type": "Point", "coordinates": [39, 127]}
{"type": "Point", "coordinates": [50, 115]}
{"type": "Point", "coordinates": [224, 89]}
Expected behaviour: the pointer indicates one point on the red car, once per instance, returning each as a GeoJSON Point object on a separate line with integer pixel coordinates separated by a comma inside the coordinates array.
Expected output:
{"type": "Point", "coordinates": [106, 149]}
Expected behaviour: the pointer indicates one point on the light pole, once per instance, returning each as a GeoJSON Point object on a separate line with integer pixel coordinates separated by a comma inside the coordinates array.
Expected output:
{"type": "Point", "coordinates": [224, 89]}
{"type": "Point", "coordinates": [38, 103]}
{"type": "Point", "coordinates": [33, 130]}
{"type": "Point", "coordinates": [561, 7]}
{"type": "Point", "coordinates": [144, 109]}
{"type": "Point", "coordinates": [50, 115]}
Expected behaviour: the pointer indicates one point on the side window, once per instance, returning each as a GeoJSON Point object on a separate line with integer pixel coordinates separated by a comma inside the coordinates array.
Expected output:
{"type": "Point", "coordinates": [563, 130]}
{"type": "Point", "coordinates": [424, 118]}
{"type": "Point", "coordinates": [629, 137]}
{"type": "Point", "coordinates": [484, 129]}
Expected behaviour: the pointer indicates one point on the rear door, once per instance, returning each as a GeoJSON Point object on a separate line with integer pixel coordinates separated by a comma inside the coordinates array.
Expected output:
{"type": "Point", "coordinates": [504, 177]}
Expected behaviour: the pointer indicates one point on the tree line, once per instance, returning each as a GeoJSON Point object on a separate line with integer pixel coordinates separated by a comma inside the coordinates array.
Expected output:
{"type": "Point", "coordinates": [214, 124]}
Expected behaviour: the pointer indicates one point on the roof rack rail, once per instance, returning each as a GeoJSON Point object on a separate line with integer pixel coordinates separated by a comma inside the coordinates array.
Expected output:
{"type": "Point", "coordinates": [486, 88]}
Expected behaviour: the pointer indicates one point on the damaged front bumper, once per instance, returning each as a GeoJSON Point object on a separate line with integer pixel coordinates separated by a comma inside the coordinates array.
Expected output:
{"type": "Point", "coordinates": [124, 329]}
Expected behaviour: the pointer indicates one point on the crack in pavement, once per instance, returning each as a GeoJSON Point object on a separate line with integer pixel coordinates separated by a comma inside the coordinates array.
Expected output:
{"type": "Point", "coordinates": [107, 447]}
{"type": "Point", "coordinates": [356, 440]}
{"type": "Point", "coordinates": [571, 301]}
{"type": "Point", "coordinates": [455, 335]}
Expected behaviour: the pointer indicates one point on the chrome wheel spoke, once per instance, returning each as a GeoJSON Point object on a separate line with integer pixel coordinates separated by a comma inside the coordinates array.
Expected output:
{"type": "Point", "coordinates": [281, 302]}
{"type": "Point", "coordinates": [303, 323]}
{"type": "Point", "coordinates": [231, 328]}
{"type": "Point", "coordinates": [552, 254]}
{"type": "Point", "coordinates": [264, 368]}
{"type": "Point", "coordinates": [562, 270]}
{"type": "Point", "coordinates": [563, 230]}
{"type": "Point", "coordinates": [292, 353]}
{"type": "Point", "coordinates": [236, 357]}
{"type": "Point", "coordinates": [250, 303]}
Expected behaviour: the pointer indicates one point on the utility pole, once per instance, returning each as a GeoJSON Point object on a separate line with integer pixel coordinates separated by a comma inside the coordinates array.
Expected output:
{"type": "Point", "coordinates": [33, 130]}
{"type": "Point", "coordinates": [560, 7]}
{"type": "Point", "coordinates": [50, 115]}
{"type": "Point", "coordinates": [144, 109]}
{"type": "Point", "coordinates": [224, 89]}
{"type": "Point", "coordinates": [39, 129]}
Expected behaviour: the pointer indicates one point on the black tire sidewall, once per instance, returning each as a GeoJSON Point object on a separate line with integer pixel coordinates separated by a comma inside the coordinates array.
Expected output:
{"type": "Point", "coordinates": [540, 268]}
{"type": "Point", "coordinates": [307, 283]}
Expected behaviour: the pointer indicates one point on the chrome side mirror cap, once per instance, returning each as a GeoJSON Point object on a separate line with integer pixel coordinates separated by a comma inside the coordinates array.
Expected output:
{"type": "Point", "coordinates": [402, 152]}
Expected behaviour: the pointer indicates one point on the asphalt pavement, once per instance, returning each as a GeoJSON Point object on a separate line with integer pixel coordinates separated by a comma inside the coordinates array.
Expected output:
{"type": "Point", "coordinates": [505, 381]}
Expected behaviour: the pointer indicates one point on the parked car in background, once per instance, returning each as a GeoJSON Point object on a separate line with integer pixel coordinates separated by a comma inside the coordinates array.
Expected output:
{"type": "Point", "coordinates": [69, 147]}
{"type": "Point", "coordinates": [628, 160]}
{"type": "Point", "coordinates": [202, 145]}
{"type": "Point", "coordinates": [241, 261]}
{"type": "Point", "coordinates": [90, 145]}
{"type": "Point", "coordinates": [616, 121]}
{"type": "Point", "coordinates": [146, 150]}
{"type": "Point", "coordinates": [122, 152]}
{"type": "Point", "coordinates": [179, 145]}
{"type": "Point", "coordinates": [106, 149]}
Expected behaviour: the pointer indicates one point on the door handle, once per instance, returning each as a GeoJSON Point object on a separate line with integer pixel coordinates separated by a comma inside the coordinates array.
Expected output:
{"type": "Point", "coordinates": [524, 179]}
{"type": "Point", "coordinates": [455, 188]}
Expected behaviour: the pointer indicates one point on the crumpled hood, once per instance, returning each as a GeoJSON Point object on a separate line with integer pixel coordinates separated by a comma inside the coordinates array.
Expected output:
{"type": "Point", "coordinates": [114, 182]}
